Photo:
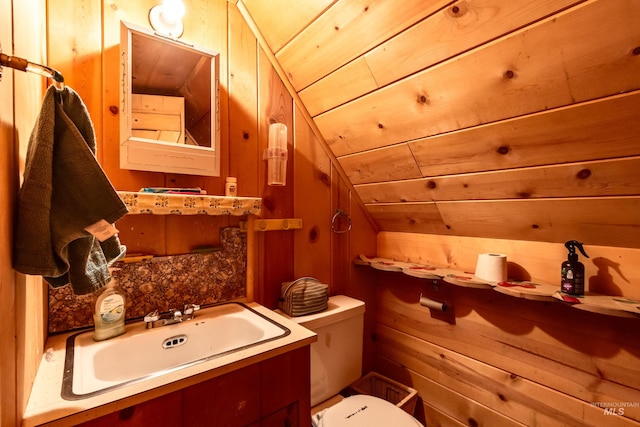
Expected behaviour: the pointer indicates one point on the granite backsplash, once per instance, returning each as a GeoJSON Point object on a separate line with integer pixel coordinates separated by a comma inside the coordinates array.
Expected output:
{"type": "Point", "coordinates": [163, 283]}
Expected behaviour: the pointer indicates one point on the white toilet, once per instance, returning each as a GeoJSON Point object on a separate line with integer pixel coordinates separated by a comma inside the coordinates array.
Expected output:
{"type": "Point", "coordinates": [336, 362]}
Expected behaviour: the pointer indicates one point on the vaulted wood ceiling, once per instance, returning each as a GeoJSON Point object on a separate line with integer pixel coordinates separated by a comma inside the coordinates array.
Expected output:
{"type": "Point", "coordinates": [508, 119]}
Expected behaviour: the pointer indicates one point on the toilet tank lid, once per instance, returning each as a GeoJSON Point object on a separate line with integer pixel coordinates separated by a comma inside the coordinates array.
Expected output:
{"type": "Point", "coordinates": [341, 307]}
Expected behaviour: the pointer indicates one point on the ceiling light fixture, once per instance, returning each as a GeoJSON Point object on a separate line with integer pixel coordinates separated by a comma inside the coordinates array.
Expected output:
{"type": "Point", "coordinates": [166, 18]}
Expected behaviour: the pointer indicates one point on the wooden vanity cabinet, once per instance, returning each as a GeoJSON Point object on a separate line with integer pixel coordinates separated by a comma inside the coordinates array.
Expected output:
{"type": "Point", "coordinates": [161, 411]}
{"type": "Point", "coordinates": [271, 393]}
{"type": "Point", "coordinates": [227, 400]}
{"type": "Point", "coordinates": [285, 384]}
{"type": "Point", "coordinates": [285, 417]}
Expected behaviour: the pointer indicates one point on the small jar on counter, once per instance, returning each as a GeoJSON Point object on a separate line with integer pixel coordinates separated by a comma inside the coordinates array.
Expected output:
{"type": "Point", "coordinates": [231, 187]}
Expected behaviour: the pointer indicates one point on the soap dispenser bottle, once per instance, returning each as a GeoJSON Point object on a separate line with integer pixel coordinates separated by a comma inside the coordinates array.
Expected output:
{"type": "Point", "coordinates": [572, 270]}
{"type": "Point", "coordinates": [108, 316]}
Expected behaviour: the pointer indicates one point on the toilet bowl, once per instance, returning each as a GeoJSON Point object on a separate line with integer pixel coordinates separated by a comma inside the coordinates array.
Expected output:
{"type": "Point", "coordinates": [363, 410]}
{"type": "Point", "coordinates": [336, 363]}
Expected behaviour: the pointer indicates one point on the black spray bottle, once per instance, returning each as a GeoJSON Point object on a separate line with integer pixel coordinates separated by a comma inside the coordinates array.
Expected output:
{"type": "Point", "coordinates": [572, 271]}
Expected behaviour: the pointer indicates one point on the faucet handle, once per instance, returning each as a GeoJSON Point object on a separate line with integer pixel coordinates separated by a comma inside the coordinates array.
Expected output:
{"type": "Point", "coordinates": [190, 309]}
{"type": "Point", "coordinates": [152, 317]}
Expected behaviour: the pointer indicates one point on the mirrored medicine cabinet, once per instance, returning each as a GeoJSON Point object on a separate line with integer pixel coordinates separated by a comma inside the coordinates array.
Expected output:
{"type": "Point", "coordinates": [169, 107]}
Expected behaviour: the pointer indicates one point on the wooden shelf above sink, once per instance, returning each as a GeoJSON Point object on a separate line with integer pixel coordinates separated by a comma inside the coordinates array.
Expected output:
{"type": "Point", "coordinates": [189, 204]}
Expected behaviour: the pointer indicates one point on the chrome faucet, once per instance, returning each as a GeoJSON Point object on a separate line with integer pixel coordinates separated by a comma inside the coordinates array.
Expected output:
{"type": "Point", "coordinates": [156, 319]}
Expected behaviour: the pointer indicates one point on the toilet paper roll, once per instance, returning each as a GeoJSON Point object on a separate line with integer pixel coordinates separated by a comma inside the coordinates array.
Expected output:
{"type": "Point", "coordinates": [436, 305]}
{"type": "Point", "coordinates": [492, 267]}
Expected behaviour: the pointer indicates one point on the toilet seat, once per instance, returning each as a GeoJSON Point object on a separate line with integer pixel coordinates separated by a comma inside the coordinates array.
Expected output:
{"type": "Point", "coordinates": [363, 410]}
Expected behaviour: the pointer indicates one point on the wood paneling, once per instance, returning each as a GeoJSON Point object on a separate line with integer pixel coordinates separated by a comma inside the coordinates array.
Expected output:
{"type": "Point", "coordinates": [274, 106]}
{"type": "Point", "coordinates": [543, 93]}
{"type": "Point", "coordinates": [285, 379]}
{"type": "Point", "coordinates": [252, 96]}
{"type": "Point", "coordinates": [360, 283]}
{"type": "Point", "coordinates": [458, 28]}
{"type": "Point", "coordinates": [340, 237]}
{"type": "Point", "coordinates": [584, 131]}
{"type": "Point", "coordinates": [244, 158]}
{"type": "Point", "coordinates": [477, 86]}
{"type": "Point", "coordinates": [83, 38]}
{"type": "Point", "coordinates": [113, 11]}
{"type": "Point", "coordinates": [547, 220]}
{"type": "Point", "coordinates": [283, 18]}
{"type": "Point", "coordinates": [233, 398]}
{"type": "Point", "coordinates": [8, 182]}
{"type": "Point", "coordinates": [205, 26]}
{"type": "Point", "coordinates": [312, 192]}
{"type": "Point", "coordinates": [353, 79]}
{"type": "Point", "coordinates": [509, 77]}
{"type": "Point", "coordinates": [76, 53]}
{"type": "Point", "coordinates": [461, 26]}
{"type": "Point", "coordinates": [611, 177]}
{"type": "Point", "coordinates": [343, 32]}
{"type": "Point", "coordinates": [532, 362]}
{"type": "Point", "coordinates": [506, 360]}
{"type": "Point", "coordinates": [164, 409]}
{"type": "Point", "coordinates": [386, 164]}
{"type": "Point", "coordinates": [22, 301]}
{"type": "Point", "coordinates": [410, 217]}
{"type": "Point", "coordinates": [509, 121]}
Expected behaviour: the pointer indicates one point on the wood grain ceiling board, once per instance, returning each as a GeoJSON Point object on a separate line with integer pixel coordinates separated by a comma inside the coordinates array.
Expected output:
{"type": "Point", "coordinates": [345, 31]}
{"type": "Point", "coordinates": [586, 131]}
{"type": "Point", "coordinates": [510, 77]}
{"type": "Point", "coordinates": [606, 221]}
{"type": "Point", "coordinates": [614, 177]}
{"type": "Point", "coordinates": [284, 19]}
{"type": "Point", "coordinates": [386, 164]}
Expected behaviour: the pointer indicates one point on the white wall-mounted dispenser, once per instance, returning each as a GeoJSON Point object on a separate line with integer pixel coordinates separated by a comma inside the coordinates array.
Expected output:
{"type": "Point", "coordinates": [276, 155]}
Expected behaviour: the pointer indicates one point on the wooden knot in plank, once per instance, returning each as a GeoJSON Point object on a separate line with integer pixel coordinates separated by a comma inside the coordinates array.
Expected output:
{"type": "Point", "coordinates": [583, 174]}
{"type": "Point", "coordinates": [459, 9]}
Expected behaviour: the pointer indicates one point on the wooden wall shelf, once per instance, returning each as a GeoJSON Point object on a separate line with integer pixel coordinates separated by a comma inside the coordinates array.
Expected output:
{"type": "Point", "coordinates": [189, 204]}
{"type": "Point", "coordinates": [604, 304]}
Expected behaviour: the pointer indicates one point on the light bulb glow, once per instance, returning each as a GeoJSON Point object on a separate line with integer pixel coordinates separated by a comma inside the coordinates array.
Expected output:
{"type": "Point", "coordinates": [172, 11]}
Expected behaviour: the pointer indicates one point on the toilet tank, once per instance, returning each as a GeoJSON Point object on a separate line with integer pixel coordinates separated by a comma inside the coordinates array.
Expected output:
{"type": "Point", "coordinates": [336, 358]}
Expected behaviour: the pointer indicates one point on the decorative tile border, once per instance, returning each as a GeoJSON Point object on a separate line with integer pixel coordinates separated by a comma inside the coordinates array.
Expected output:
{"type": "Point", "coordinates": [163, 283]}
{"type": "Point", "coordinates": [189, 204]}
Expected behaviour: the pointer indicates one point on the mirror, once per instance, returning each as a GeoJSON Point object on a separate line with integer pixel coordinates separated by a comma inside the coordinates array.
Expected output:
{"type": "Point", "coordinates": [169, 115]}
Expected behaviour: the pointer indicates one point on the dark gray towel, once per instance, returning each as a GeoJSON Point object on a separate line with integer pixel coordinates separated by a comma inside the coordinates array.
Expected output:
{"type": "Point", "coordinates": [64, 191]}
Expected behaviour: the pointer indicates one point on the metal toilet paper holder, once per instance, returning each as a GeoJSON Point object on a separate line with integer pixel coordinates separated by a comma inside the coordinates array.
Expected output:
{"type": "Point", "coordinates": [438, 300]}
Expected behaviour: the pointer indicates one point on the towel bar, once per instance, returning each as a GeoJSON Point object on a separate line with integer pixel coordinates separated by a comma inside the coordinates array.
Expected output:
{"type": "Point", "coordinates": [30, 67]}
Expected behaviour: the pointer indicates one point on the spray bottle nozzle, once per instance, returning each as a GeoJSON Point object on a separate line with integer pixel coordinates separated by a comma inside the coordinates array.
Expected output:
{"type": "Point", "coordinates": [572, 245]}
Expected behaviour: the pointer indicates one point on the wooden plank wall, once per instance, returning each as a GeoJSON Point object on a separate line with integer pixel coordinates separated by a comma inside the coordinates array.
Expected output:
{"type": "Point", "coordinates": [252, 96]}
{"type": "Point", "coordinates": [83, 41]}
{"type": "Point", "coordinates": [80, 39]}
{"type": "Point", "coordinates": [22, 313]}
{"type": "Point", "coordinates": [206, 26]}
{"type": "Point", "coordinates": [507, 360]}
{"type": "Point", "coordinates": [478, 126]}
{"type": "Point", "coordinates": [315, 187]}
{"type": "Point", "coordinates": [486, 118]}
{"type": "Point", "coordinates": [8, 397]}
